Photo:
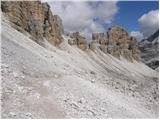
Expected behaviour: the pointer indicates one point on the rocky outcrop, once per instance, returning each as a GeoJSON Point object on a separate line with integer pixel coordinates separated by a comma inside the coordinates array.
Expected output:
{"type": "Point", "coordinates": [150, 50]}
{"type": "Point", "coordinates": [36, 18]}
{"type": "Point", "coordinates": [116, 42]}
{"type": "Point", "coordinates": [77, 39]}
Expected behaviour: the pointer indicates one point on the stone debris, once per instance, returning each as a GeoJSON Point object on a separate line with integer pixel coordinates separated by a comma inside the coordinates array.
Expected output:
{"type": "Point", "coordinates": [91, 113]}
{"type": "Point", "coordinates": [15, 75]}
{"type": "Point", "coordinates": [56, 76]}
{"type": "Point", "coordinates": [93, 81]}
{"type": "Point", "coordinates": [22, 76]}
{"type": "Point", "coordinates": [12, 114]}
{"type": "Point", "coordinates": [28, 114]}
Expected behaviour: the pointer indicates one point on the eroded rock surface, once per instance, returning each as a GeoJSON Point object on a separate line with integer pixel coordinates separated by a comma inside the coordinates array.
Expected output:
{"type": "Point", "coordinates": [77, 39]}
{"type": "Point", "coordinates": [36, 18]}
{"type": "Point", "coordinates": [116, 42]}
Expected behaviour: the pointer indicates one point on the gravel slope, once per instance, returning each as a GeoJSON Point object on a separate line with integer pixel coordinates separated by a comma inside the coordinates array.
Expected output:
{"type": "Point", "coordinates": [66, 82]}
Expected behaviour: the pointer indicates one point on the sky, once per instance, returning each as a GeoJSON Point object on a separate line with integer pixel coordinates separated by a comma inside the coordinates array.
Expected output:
{"type": "Point", "coordinates": [139, 18]}
{"type": "Point", "coordinates": [129, 15]}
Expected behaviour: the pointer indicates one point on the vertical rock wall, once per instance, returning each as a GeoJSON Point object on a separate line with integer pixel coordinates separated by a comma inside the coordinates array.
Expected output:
{"type": "Point", "coordinates": [36, 18]}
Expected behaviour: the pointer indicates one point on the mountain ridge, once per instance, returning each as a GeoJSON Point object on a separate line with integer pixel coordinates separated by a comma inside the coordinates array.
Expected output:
{"type": "Point", "coordinates": [37, 19]}
{"type": "Point", "coordinates": [150, 50]}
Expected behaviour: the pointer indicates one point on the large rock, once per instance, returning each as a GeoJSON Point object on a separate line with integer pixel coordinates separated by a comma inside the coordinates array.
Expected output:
{"type": "Point", "coordinates": [150, 50]}
{"type": "Point", "coordinates": [116, 42]}
{"type": "Point", "coordinates": [36, 18]}
{"type": "Point", "coordinates": [77, 39]}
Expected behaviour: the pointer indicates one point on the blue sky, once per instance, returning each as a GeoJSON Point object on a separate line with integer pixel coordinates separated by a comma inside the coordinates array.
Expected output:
{"type": "Point", "coordinates": [130, 11]}
{"type": "Point", "coordinates": [139, 18]}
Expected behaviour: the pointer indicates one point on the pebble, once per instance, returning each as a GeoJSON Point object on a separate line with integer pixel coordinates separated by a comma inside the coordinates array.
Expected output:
{"type": "Point", "coordinates": [15, 75]}
{"type": "Point", "coordinates": [20, 88]}
{"type": "Point", "coordinates": [22, 77]}
{"type": "Point", "coordinates": [75, 105]}
{"type": "Point", "coordinates": [66, 99]}
{"type": "Point", "coordinates": [92, 72]}
{"type": "Point", "coordinates": [37, 96]}
{"type": "Point", "coordinates": [93, 81]}
{"type": "Point", "coordinates": [12, 114]}
{"type": "Point", "coordinates": [102, 109]}
{"type": "Point", "coordinates": [4, 70]}
{"type": "Point", "coordinates": [24, 67]}
{"type": "Point", "coordinates": [46, 83]}
{"type": "Point", "coordinates": [28, 114]}
{"type": "Point", "coordinates": [5, 66]}
{"type": "Point", "coordinates": [56, 76]}
{"type": "Point", "coordinates": [90, 112]}
{"type": "Point", "coordinates": [82, 100]}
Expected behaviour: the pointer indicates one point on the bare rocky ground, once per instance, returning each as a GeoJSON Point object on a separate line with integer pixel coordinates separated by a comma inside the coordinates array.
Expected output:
{"type": "Point", "coordinates": [67, 82]}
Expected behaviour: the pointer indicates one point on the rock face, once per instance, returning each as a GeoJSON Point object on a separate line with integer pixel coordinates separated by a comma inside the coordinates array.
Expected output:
{"type": "Point", "coordinates": [116, 42]}
{"type": "Point", "coordinates": [36, 18]}
{"type": "Point", "coordinates": [150, 50]}
{"type": "Point", "coordinates": [77, 39]}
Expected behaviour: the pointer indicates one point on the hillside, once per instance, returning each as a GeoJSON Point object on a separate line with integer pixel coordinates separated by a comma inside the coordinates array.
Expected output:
{"type": "Point", "coordinates": [62, 76]}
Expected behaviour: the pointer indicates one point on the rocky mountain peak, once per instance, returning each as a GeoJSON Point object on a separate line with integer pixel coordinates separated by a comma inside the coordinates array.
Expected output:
{"type": "Point", "coordinates": [117, 42]}
{"type": "Point", "coordinates": [152, 37]}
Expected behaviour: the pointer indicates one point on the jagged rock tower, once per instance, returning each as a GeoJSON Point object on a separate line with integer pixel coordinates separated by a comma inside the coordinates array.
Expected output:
{"type": "Point", "coordinates": [116, 42]}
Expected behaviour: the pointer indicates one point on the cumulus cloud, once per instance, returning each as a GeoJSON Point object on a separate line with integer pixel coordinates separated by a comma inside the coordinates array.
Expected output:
{"type": "Point", "coordinates": [138, 35]}
{"type": "Point", "coordinates": [85, 17]}
{"type": "Point", "coordinates": [149, 23]}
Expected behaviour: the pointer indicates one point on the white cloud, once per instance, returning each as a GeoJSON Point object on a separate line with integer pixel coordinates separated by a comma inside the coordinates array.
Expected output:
{"type": "Point", "coordinates": [106, 10]}
{"type": "Point", "coordinates": [138, 35]}
{"type": "Point", "coordinates": [85, 17]}
{"type": "Point", "coordinates": [149, 23]}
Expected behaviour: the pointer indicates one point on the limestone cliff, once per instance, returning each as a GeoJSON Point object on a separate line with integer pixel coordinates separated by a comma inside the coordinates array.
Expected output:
{"type": "Point", "coordinates": [36, 18]}
{"type": "Point", "coordinates": [77, 39]}
{"type": "Point", "coordinates": [116, 42]}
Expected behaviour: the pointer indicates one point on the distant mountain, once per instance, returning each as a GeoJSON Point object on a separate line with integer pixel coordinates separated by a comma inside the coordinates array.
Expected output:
{"type": "Point", "coordinates": [150, 50]}
{"type": "Point", "coordinates": [152, 37]}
